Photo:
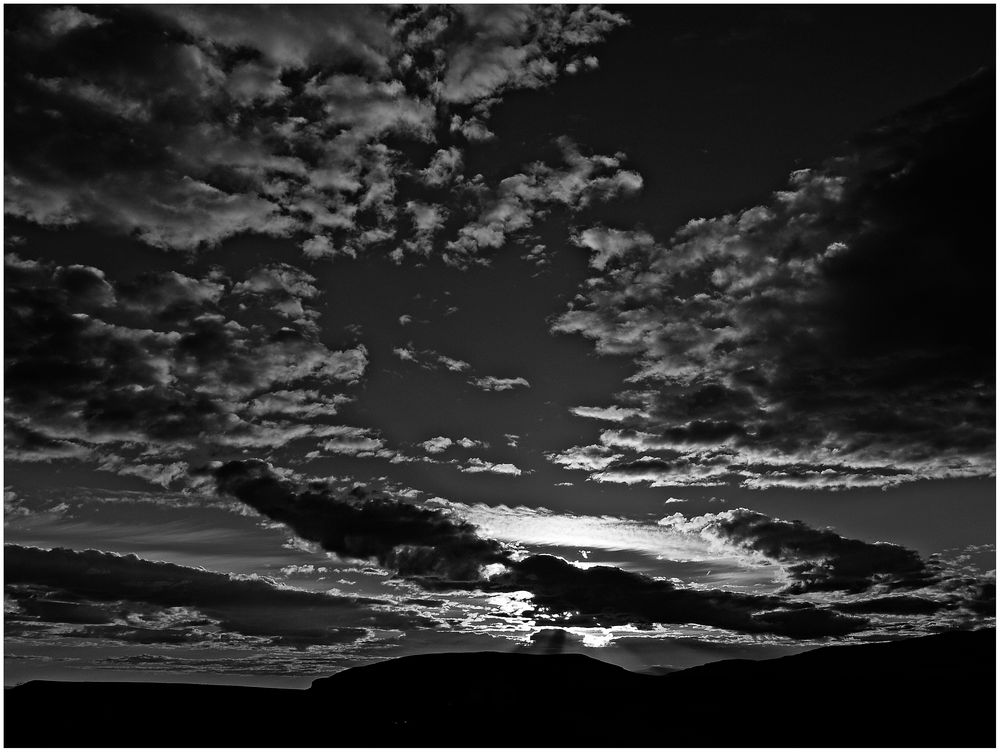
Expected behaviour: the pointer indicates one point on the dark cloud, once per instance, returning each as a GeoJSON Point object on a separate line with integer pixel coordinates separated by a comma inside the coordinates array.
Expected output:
{"type": "Point", "coordinates": [404, 537]}
{"type": "Point", "coordinates": [125, 598]}
{"type": "Point", "coordinates": [442, 553]}
{"type": "Point", "coordinates": [608, 596]}
{"type": "Point", "coordinates": [815, 560]}
{"type": "Point", "coordinates": [836, 336]}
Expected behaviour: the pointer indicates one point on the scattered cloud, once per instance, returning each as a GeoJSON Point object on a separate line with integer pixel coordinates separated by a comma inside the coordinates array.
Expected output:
{"type": "Point", "coordinates": [440, 443]}
{"type": "Point", "coordinates": [437, 444]}
{"type": "Point", "coordinates": [589, 458]}
{"type": "Point", "coordinates": [310, 96]}
{"type": "Point", "coordinates": [453, 364]}
{"type": "Point", "coordinates": [473, 129]}
{"type": "Point", "coordinates": [165, 363]}
{"type": "Point", "coordinates": [825, 339]}
{"type": "Point", "coordinates": [477, 465]}
{"type": "Point", "coordinates": [519, 200]}
{"type": "Point", "coordinates": [494, 384]}
{"type": "Point", "coordinates": [429, 359]}
{"type": "Point", "coordinates": [445, 166]}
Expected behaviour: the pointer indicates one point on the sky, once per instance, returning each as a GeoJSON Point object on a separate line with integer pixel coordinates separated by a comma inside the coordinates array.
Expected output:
{"type": "Point", "coordinates": [336, 333]}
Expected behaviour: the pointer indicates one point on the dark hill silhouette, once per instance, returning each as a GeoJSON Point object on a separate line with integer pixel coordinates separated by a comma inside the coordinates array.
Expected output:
{"type": "Point", "coordinates": [924, 692]}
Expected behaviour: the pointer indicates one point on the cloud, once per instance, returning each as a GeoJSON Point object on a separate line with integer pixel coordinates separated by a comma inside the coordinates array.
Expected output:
{"type": "Point", "coordinates": [440, 443]}
{"type": "Point", "coordinates": [437, 445]}
{"type": "Point", "coordinates": [398, 535]}
{"type": "Point", "coordinates": [441, 552]}
{"type": "Point", "coordinates": [291, 38]}
{"type": "Point", "coordinates": [429, 359]}
{"type": "Point", "coordinates": [893, 604]}
{"type": "Point", "coordinates": [352, 440]}
{"type": "Point", "coordinates": [814, 560]}
{"type": "Point", "coordinates": [477, 465]}
{"type": "Point", "coordinates": [157, 473]}
{"type": "Point", "coordinates": [405, 353]}
{"type": "Point", "coordinates": [608, 596]}
{"type": "Point", "coordinates": [486, 62]}
{"type": "Point", "coordinates": [59, 21]}
{"type": "Point", "coordinates": [164, 363]}
{"type": "Point", "coordinates": [527, 526]}
{"type": "Point", "coordinates": [140, 125]}
{"type": "Point", "coordinates": [320, 247]}
{"type": "Point", "coordinates": [613, 414]}
{"type": "Point", "coordinates": [444, 167]}
{"type": "Point", "coordinates": [126, 598]}
{"type": "Point", "coordinates": [520, 199]}
{"type": "Point", "coordinates": [300, 403]}
{"type": "Point", "coordinates": [608, 244]}
{"type": "Point", "coordinates": [473, 129]}
{"type": "Point", "coordinates": [427, 219]}
{"type": "Point", "coordinates": [494, 384]}
{"type": "Point", "coordinates": [590, 458]}
{"type": "Point", "coordinates": [453, 364]}
{"type": "Point", "coordinates": [827, 338]}
{"type": "Point", "coordinates": [279, 278]}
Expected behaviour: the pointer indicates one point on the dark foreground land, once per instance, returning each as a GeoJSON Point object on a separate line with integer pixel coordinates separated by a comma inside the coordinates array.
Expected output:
{"type": "Point", "coordinates": [924, 692]}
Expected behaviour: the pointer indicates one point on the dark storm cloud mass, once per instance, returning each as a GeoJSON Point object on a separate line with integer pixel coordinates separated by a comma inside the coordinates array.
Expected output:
{"type": "Point", "coordinates": [839, 335]}
{"type": "Point", "coordinates": [443, 553]}
{"type": "Point", "coordinates": [123, 597]}
{"type": "Point", "coordinates": [815, 560]}
{"type": "Point", "coordinates": [608, 596]}
{"type": "Point", "coordinates": [165, 363]}
{"type": "Point", "coordinates": [404, 537]}
{"type": "Point", "coordinates": [185, 125]}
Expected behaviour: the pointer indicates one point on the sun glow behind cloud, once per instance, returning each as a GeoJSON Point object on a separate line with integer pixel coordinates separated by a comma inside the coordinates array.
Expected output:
{"type": "Point", "coordinates": [660, 547]}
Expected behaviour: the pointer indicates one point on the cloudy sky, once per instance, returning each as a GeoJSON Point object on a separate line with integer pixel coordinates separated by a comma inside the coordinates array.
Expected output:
{"type": "Point", "coordinates": [336, 333]}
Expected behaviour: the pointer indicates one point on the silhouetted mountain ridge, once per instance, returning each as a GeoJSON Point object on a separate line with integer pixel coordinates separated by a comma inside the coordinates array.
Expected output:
{"type": "Point", "coordinates": [928, 691]}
